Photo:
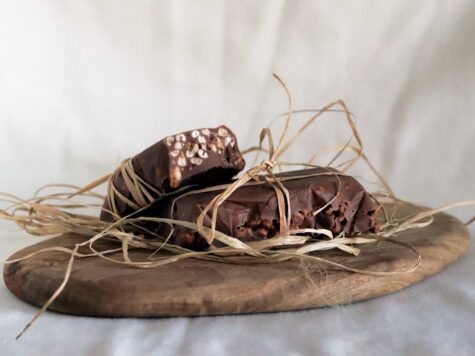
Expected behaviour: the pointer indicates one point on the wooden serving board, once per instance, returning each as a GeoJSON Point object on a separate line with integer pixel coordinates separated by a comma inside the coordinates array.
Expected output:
{"type": "Point", "coordinates": [195, 287]}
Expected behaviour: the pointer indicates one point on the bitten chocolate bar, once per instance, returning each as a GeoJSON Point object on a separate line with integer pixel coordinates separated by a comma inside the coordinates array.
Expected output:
{"type": "Point", "coordinates": [251, 212]}
{"type": "Point", "coordinates": [204, 156]}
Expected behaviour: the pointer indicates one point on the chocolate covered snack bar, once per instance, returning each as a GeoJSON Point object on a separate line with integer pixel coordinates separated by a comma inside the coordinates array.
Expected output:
{"type": "Point", "coordinates": [204, 156]}
{"type": "Point", "coordinates": [251, 212]}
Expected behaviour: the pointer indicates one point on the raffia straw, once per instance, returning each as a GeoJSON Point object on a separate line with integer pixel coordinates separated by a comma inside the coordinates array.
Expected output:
{"type": "Point", "coordinates": [470, 221]}
{"type": "Point", "coordinates": [51, 214]}
{"type": "Point", "coordinates": [58, 291]}
{"type": "Point", "coordinates": [414, 222]}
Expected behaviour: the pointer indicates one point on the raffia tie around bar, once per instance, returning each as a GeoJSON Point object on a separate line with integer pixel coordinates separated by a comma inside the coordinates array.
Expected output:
{"type": "Point", "coordinates": [141, 190]}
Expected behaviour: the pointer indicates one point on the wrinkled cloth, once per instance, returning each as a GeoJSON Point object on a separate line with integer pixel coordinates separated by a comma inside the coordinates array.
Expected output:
{"type": "Point", "coordinates": [85, 84]}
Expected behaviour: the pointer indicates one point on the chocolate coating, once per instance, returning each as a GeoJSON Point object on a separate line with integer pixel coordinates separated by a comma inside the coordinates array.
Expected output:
{"type": "Point", "coordinates": [251, 212]}
{"type": "Point", "coordinates": [196, 157]}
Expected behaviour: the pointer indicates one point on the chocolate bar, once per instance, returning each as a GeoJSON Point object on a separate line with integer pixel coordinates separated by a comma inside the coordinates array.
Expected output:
{"type": "Point", "coordinates": [251, 212]}
{"type": "Point", "coordinates": [198, 157]}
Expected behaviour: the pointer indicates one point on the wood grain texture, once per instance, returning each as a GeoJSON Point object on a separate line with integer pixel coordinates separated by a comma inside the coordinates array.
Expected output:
{"type": "Point", "coordinates": [194, 287]}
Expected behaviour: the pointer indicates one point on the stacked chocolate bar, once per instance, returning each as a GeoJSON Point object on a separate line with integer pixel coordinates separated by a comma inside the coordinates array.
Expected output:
{"type": "Point", "coordinates": [192, 158]}
{"type": "Point", "coordinates": [179, 165]}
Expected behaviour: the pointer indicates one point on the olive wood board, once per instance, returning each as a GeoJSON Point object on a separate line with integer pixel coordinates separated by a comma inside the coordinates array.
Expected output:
{"type": "Point", "coordinates": [197, 287]}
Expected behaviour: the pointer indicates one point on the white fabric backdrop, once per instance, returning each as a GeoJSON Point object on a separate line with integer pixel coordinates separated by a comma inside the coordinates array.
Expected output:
{"type": "Point", "coordinates": [84, 84]}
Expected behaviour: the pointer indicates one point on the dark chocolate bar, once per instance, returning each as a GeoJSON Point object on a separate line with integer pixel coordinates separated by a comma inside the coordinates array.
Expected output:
{"type": "Point", "coordinates": [197, 157]}
{"type": "Point", "coordinates": [251, 212]}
